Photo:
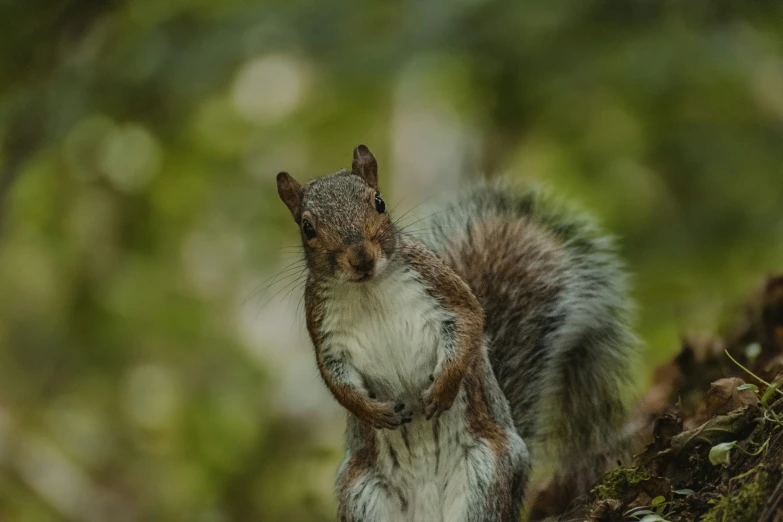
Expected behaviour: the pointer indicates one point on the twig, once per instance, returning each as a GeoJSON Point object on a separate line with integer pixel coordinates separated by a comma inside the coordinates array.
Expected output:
{"type": "Point", "coordinates": [751, 373]}
{"type": "Point", "coordinates": [775, 501]}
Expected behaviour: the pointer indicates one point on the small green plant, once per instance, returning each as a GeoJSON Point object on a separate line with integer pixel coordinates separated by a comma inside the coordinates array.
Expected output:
{"type": "Point", "coordinates": [771, 388]}
{"type": "Point", "coordinates": [655, 512]}
{"type": "Point", "coordinates": [658, 508]}
{"type": "Point", "coordinates": [721, 453]}
{"type": "Point", "coordinates": [770, 391]}
{"type": "Point", "coordinates": [653, 518]}
{"type": "Point", "coordinates": [684, 492]}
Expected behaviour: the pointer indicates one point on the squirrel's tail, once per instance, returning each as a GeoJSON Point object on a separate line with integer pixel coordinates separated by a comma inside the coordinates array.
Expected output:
{"type": "Point", "coordinates": [557, 317]}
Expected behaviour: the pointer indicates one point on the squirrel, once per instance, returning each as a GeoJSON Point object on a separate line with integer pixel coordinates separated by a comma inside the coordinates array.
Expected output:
{"type": "Point", "coordinates": [501, 336]}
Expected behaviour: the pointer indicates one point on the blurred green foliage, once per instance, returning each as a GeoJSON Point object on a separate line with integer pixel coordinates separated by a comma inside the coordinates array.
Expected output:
{"type": "Point", "coordinates": [138, 211]}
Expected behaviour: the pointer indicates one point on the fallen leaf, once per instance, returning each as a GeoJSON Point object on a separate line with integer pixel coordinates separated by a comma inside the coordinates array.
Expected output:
{"type": "Point", "coordinates": [722, 428]}
{"type": "Point", "coordinates": [773, 370]}
{"type": "Point", "coordinates": [642, 501]}
{"type": "Point", "coordinates": [650, 490]}
{"type": "Point", "coordinates": [665, 427]}
{"type": "Point", "coordinates": [772, 315]}
{"type": "Point", "coordinates": [609, 510]}
{"type": "Point", "coordinates": [726, 395]}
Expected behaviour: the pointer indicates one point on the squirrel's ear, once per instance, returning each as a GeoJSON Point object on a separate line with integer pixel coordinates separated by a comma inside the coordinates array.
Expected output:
{"type": "Point", "coordinates": [364, 165]}
{"type": "Point", "coordinates": [290, 191]}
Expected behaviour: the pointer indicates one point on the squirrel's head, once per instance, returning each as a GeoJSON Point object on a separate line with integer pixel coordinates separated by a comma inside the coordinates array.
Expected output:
{"type": "Point", "coordinates": [346, 231]}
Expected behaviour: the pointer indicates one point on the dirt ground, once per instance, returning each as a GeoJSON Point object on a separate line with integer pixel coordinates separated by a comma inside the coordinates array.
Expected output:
{"type": "Point", "coordinates": [706, 440]}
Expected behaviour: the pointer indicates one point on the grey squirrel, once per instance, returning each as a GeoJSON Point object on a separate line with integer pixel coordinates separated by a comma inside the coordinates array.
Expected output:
{"type": "Point", "coordinates": [500, 337]}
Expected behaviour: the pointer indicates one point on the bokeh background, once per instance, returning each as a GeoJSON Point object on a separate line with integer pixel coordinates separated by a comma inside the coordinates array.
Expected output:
{"type": "Point", "coordinates": [148, 372]}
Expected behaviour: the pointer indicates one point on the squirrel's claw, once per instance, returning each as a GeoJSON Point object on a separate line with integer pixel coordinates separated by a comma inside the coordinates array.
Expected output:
{"type": "Point", "coordinates": [389, 415]}
{"type": "Point", "coordinates": [437, 399]}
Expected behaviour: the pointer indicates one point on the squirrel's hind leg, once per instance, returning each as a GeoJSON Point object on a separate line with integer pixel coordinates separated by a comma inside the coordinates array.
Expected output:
{"type": "Point", "coordinates": [491, 486]}
{"type": "Point", "coordinates": [364, 497]}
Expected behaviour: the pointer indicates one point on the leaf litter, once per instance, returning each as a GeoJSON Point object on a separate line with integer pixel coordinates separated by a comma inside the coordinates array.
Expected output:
{"type": "Point", "coordinates": [706, 440]}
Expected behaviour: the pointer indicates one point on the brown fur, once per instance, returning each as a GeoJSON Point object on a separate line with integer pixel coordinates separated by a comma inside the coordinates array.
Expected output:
{"type": "Point", "coordinates": [456, 297]}
{"type": "Point", "coordinates": [360, 464]}
{"type": "Point", "coordinates": [497, 244]}
{"type": "Point", "coordinates": [365, 166]}
{"type": "Point", "coordinates": [481, 421]}
{"type": "Point", "coordinates": [489, 262]}
{"type": "Point", "coordinates": [335, 246]}
{"type": "Point", "coordinates": [483, 424]}
{"type": "Point", "coordinates": [352, 256]}
{"type": "Point", "coordinates": [361, 461]}
{"type": "Point", "coordinates": [290, 191]}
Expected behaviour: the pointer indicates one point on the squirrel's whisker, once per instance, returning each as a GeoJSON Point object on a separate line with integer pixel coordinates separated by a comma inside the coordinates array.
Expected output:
{"type": "Point", "coordinates": [269, 282]}
{"type": "Point", "coordinates": [420, 203]}
{"type": "Point", "coordinates": [277, 278]}
{"type": "Point", "coordinates": [298, 286]}
{"type": "Point", "coordinates": [403, 229]}
{"type": "Point", "coordinates": [301, 276]}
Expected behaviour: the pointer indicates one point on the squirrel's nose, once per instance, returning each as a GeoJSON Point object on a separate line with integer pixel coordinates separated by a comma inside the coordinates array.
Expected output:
{"type": "Point", "coordinates": [362, 261]}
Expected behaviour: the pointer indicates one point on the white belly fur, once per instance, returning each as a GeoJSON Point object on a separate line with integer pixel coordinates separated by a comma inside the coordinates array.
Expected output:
{"type": "Point", "coordinates": [434, 472]}
{"type": "Point", "coordinates": [390, 330]}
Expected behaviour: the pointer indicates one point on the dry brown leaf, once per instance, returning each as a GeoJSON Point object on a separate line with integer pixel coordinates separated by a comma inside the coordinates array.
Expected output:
{"type": "Point", "coordinates": [609, 510]}
{"type": "Point", "coordinates": [773, 370]}
{"type": "Point", "coordinates": [724, 396]}
{"type": "Point", "coordinates": [723, 428]}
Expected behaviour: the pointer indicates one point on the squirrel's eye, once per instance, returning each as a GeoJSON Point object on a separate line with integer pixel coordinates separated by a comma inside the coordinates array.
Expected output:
{"type": "Point", "coordinates": [309, 230]}
{"type": "Point", "coordinates": [380, 206]}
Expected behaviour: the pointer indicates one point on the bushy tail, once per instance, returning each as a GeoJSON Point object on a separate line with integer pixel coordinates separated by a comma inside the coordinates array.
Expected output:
{"type": "Point", "coordinates": [557, 314]}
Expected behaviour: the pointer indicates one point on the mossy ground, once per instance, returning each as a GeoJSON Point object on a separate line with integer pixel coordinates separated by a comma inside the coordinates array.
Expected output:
{"type": "Point", "coordinates": [617, 483]}
{"type": "Point", "coordinates": [746, 502]}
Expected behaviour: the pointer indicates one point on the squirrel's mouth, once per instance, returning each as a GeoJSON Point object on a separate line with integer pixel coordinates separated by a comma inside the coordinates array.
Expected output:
{"type": "Point", "coordinates": [363, 277]}
{"type": "Point", "coordinates": [369, 273]}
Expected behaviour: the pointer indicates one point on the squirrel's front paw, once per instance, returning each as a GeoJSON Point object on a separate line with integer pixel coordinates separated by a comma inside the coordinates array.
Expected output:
{"type": "Point", "coordinates": [388, 415]}
{"type": "Point", "coordinates": [439, 397]}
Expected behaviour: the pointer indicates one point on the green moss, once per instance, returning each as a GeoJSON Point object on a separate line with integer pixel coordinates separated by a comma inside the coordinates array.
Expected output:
{"type": "Point", "coordinates": [617, 483]}
{"type": "Point", "coordinates": [745, 502]}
